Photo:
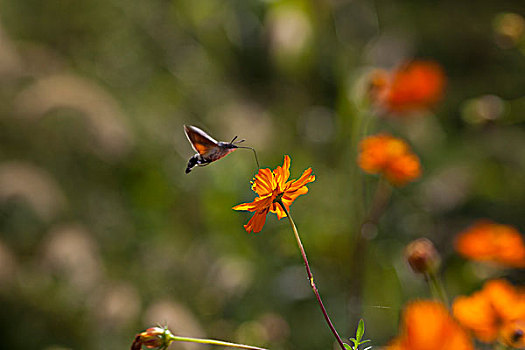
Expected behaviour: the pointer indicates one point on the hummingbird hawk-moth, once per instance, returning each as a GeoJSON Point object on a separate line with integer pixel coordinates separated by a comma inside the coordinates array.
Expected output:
{"type": "Point", "coordinates": [208, 149]}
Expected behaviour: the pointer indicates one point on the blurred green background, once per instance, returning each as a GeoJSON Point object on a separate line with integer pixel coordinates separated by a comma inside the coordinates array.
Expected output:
{"type": "Point", "coordinates": [103, 235]}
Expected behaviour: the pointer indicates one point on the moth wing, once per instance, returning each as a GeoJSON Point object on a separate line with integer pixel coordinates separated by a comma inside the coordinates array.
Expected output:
{"type": "Point", "coordinates": [201, 142]}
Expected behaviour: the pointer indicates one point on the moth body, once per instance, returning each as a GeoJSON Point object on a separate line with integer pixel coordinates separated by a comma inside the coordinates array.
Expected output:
{"type": "Point", "coordinates": [208, 150]}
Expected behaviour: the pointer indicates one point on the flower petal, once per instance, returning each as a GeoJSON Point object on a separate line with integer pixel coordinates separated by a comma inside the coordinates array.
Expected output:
{"type": "Point", "coordinates": [428, 325]}
{"type": "Point", "coordinates": [289, 197]}
{"type": "Point", "coordinates": [277, 209]}
{"type": "Point", "coordinates": [305, 178]}
{"type": "Point", "coordinates": [257, 221]}
{"type": "Point", "coordinates": [506, 301]}
{"type": "Point", "coordinates": [246, 206]}
{"type": "Point", "coordinates": [286, 169]}
{"type": "Point", "coordinates": [264, 182]}
{"type": "Point", "coordinates": [282, 174]}
{"type": "Point", "coordinates": [403, 169]}
{"type": "Point", "coordinates": [476, 314]}
{"type": "Point", "coordinates": [258, 204]}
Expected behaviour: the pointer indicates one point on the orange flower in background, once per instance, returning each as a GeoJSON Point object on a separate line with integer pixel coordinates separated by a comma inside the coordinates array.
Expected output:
{"type": "Point", "coordinates": [492, 242]}
{"type": "Point", "coordinates": [414, 86]}
{"type": "Point", "coordinates": [513, 334]}
{"type": "Point", "coordinates": [272, 186]}
{"type": "Point", "coordinates": [497, 312]}
{"type": "Point", "coordinates": [389, 156]}
{"type": "Point", "coordinates": [427, 325]}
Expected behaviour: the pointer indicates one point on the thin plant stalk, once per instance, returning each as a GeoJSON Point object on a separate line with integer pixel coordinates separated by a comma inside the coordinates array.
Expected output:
{"type": "Point", "coordinates": [379, 202]}
{"type": "Point", "coordinates": [310, 276]}
{"type": "Point", "coordinates": [214, 342]}
{"type": "Point", "coordinates": [436, 286]}
{"type": "Point", "coordinates": [368, 224]}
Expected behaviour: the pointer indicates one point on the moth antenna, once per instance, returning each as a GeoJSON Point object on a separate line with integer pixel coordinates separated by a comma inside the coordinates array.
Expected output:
{"type": "Point", "coordinates": [254, 153]}
{"type": "Point", "coordinates": [235, 138]}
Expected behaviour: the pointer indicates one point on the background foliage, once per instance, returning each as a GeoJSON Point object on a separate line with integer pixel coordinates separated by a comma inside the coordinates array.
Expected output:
{"type": "Point", "coordinates": [101, 232]}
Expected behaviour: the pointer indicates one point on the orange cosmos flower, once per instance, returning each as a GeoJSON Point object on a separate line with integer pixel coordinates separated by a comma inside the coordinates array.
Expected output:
{"type": "Point", "coordinates": [492, 242]}
{"type": "Point", "coordinates": [272, 186]}
{"type": "Point", "coordinates": [414, 86]}
{"type": "Point", "coordinates": [389, 156]}
{"type": "Point", "coordinates": [495, 312]}
{"type": "Point", "coordinates": [427, 325]}
{"type": "Point", "coordinates": [513, 334]}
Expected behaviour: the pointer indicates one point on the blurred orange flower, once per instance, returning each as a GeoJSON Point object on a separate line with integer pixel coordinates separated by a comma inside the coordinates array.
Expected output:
{"type": "Point", "coordinates": [492, 242]}
{"type": "Point", "coordinates": [495, 312]}
{"type": "Point", "coordinates": [271, 188]}
{"type": "Point", "coordinates": [427, 325]}
{"type": "Point", "coordinates": [513, 334]}
{"type": "Point", "coordinates": [414, 86]}
{"type": "Point", "coordinates": [389, 156]}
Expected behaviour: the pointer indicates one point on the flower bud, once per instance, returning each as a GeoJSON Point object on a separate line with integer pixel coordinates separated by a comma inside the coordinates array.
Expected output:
{"type": "Point", "coordinates": [153, 338]}
{"type": "Point", "coordinates": [422, 256]}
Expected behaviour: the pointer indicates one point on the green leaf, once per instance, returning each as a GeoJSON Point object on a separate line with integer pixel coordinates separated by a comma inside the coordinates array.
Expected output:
{"type": "Point", "coordinates": [347, 346]}
{"type": "Point", "coordinates": [360, 330]}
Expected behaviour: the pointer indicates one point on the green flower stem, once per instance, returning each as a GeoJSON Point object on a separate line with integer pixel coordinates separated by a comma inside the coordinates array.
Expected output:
{"type": "Point", "coordinates": [369, 223]}
{"type": "Point", "coordinates": [380, 201]}
{"type": "Point", "coordinates": [214, 342]}
{"type": "Point", "coordinates": [310, 276]}
{"type": "Point", "coordinates": [436, 286]}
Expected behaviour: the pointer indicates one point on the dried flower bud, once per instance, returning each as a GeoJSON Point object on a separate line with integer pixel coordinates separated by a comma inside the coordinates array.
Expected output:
{"type": "Point", "coordinates": [422, 256]}
{"type": "Point", "coordinates": [153, 338]}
